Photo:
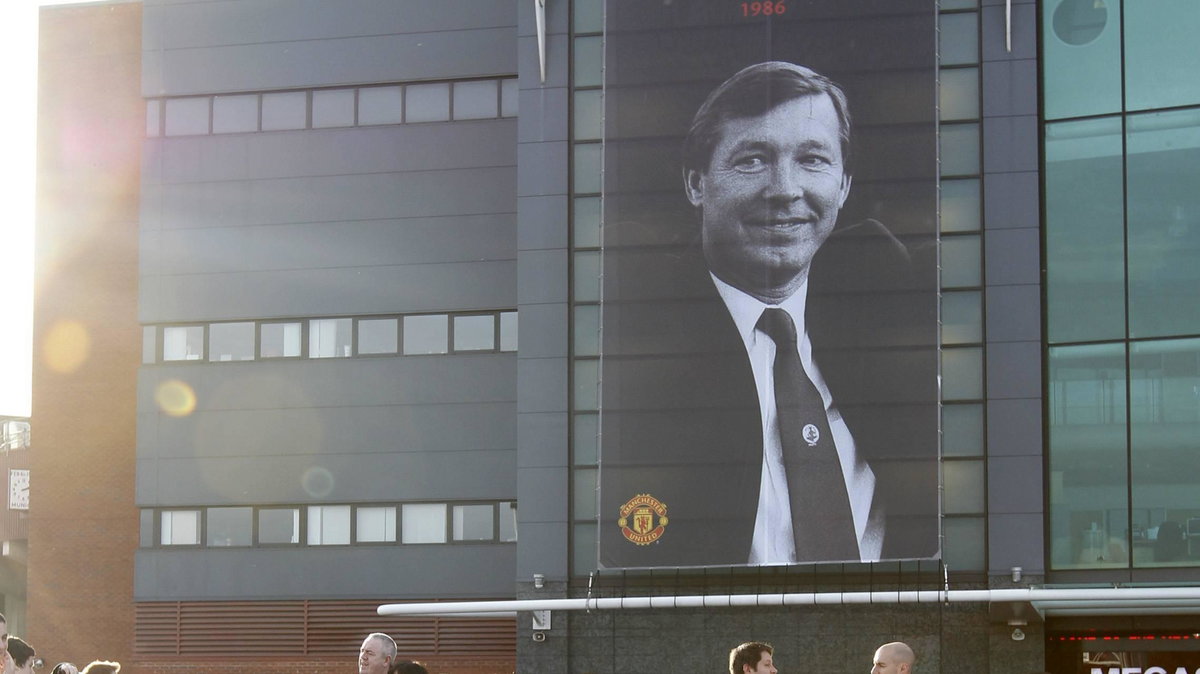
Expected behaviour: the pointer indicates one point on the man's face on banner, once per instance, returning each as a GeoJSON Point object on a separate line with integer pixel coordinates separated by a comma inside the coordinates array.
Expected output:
{"type": "Point", "coordinates": [771, 195]}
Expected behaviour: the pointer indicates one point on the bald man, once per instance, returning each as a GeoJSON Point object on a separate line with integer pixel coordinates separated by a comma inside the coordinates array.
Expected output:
{"type": "Point", "coordinates": [893, 658]}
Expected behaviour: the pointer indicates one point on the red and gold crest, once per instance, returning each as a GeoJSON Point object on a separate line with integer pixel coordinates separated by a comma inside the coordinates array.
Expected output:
{"type": "Point", "coordinates": [643, 519]}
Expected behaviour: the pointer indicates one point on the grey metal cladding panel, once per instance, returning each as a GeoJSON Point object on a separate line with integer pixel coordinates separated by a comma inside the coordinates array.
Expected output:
{"type": "Point", "coordinates": [331, 198]}
{"type": "Point", "coordinates": [463, 286]}
{"type": "Point", "coordinates": [360, 244]}
{"type": "Point", "coordinates": [1016, 540]}
{"type": "Point", "coordinates": [334, 478]}
{"type": "Point", "coordinates": [402, 571]}
{"type": "Point", "coordinates": [327, 431]}
{"type": "Point", "coordinates": [481, 52]}
{"type": "Point", "coordinates": [190, 23]}
{"type": "Point", "coordinates": [324, 152]}
{"type": "Point", "coordinates": [339, 382]}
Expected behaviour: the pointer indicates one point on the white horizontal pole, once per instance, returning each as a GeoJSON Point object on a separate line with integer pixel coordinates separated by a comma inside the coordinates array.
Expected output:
{"type": "Point", "coordinates": [1142, 596]}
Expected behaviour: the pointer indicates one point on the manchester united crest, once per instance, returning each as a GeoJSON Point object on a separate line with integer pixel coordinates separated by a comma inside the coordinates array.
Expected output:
{"type": "Point", "coordinates": [643, 519]}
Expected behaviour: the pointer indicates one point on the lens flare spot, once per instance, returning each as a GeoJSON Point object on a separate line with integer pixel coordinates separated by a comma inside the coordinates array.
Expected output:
{"type": "Point", "coordinates": [66, 346]}
{"type": "Point", "coordinates": [175, 398]}
{"type": "Point", "coordinates": [317, 481]}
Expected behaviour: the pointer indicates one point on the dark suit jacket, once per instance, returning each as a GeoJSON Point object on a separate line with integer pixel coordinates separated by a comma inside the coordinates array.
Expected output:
{"type": "Point", "coordinates": [681, 419]}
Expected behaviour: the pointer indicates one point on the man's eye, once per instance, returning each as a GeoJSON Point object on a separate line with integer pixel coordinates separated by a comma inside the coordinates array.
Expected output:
{"type": "Point", "coordinates": [815, 160]}
{"type": "Point", "coordinates": [750, 163]}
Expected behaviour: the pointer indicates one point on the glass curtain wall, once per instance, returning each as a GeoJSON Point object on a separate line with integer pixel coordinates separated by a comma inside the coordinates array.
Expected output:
{"type": "Point", "coordinates": [1122, 242]}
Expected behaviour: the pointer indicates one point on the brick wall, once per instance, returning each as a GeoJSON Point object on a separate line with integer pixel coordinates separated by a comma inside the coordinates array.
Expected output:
{"type": "Point", "coordinates": [83, 525]}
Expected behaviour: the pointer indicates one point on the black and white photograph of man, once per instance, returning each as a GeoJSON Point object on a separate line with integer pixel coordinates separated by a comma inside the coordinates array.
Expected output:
{"type": "Point", "coordinates": [769, 386]}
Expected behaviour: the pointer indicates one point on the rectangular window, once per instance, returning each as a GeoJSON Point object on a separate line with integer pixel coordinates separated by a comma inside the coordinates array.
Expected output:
{"type": "Point", "coordinates": [427, 103]}
{"type": "Point", "coordinates": [474, 523]}
{"type": "Point", "coordinates": [508, 331]}
{"type": "Point", "coordinates": [426, 334]}
{"type": "Point", "coordinates": [333, 107]}
{"type": "Point", "coordinates": [508, 98]}
{"type": "Point", "coordinates": [279, 340]}
{"type": "Point", "coordinates": [180, 527]}
{"type": "Point", "coordinates": [475, 100]}
{"type": "Point", "coordinates": [329, 337]}
{"type": "Point", "coordinates": [230, 341]}
{"type": "Point", "coordinates": [153, 117]}
{"type": "Point", "coordinates": [329, 525]}
{"type": "Point", "coordinates": [187, 116]}
{"type": "Point", "coordinates": [149, 344]}
{"type": "Point", "coordinates": [229, 527]}
{"type": "Point", "coordinates": [288, 110]}
{"type": "Point", "coordinates": [379, 105]}
{"type": "Point", "coordinates": [508, 521]}
{"type": "Point", "coordinates": [423, 523]}
{"type": "Point", "coordinates": [183, 342]}
{"type": "Point", "coordinates": [378, 335]}
{"type": "Point", "coordinates": [375, 524]}
{"type": "Point", "coordinates": [474, 333]}
{"type": "Point", "coordinates": [146, 528]}
{"type": "Point", "coordinates": [278, 526]}
{"type": "Point", "coordinates": [235, 114]}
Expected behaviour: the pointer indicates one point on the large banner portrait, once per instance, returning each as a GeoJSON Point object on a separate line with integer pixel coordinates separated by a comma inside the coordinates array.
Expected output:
{"type": "Point", "coordinates": [770, 337]}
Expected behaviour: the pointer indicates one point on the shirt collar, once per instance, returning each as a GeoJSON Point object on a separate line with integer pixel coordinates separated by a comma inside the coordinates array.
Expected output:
{"type": "Point", "coordinates": [746, 310]}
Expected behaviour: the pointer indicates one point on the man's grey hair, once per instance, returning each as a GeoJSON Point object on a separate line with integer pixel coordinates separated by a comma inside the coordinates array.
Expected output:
{"type": "Point", "coordinates": [389, 644]}
{"type": "Point", "coordinates": [752, 92]}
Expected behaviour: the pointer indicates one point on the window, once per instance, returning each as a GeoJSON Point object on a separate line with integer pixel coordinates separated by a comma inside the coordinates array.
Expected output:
{"type": "Point", "coordinates": [280, 340]}
{"type": "Point", "coordinates": [423, 523]}
{"type": "Point", "coordinates": [288, 110]}
{"type": "Point", "coordinates": [475, 100]}
{"type": "Point", "coordinates": [153, 116]}
{"type": "Point", "coordinates": [233, 526]}
{"type": "Point", "coordinates": [375, 524]}
{"type": "Point", "coordinates": [508, 97]}
{"type": "Point", "coordinates": [380, 105]}
{"type": "Point", "coordinates": [508, 331]}
{"type": "Point", "coordinates": [329, 525]}
{"type": "Point", "coordinates": [278, 526]}
{"type": "Point", "coordinates": [229, 527]}
{"type": "Point", "coordinates": [425, 334]}
{"type": "Point", "coordinates": [426, 103]}
{"type": "Point", "coordinates": [508, 521]}
{"type": "Point", "coordinates": [378, 335]}
{"type": "Point", "coordinates": [183, 342]}
{"type": "Point", "coordinates": [149, 344]}
{"type": "Point", "coordinates": [187, 116]}
{"type": "Point", "coordinates": [333, 107]}
{"type": "Point", "coordinates": [235, 114]}
{"type": "Point", "coordinates": [329, 338]}
{"type": "Point", "coordinates": [231, 341]}
{"type": "Point", "coordinates": [474, 523]}
{"type": "Point", "coordinates": [180, 527]}
{"type": "Point", "coordinates": [474, 333]}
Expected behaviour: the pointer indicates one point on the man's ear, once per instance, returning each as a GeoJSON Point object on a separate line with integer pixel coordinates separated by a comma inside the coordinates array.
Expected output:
{"type": "Point", "coordinates": [847, 179]}
{"type": "Point", "coordinates": [693, 184]}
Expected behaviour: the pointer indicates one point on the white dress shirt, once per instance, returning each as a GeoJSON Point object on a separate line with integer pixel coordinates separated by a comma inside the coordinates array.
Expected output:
{"type": "Point", "coordinates": [773, 541]}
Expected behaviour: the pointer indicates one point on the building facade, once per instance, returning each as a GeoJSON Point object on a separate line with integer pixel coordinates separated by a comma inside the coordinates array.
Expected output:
{"type": "Point", "coordinates": [337, 270]}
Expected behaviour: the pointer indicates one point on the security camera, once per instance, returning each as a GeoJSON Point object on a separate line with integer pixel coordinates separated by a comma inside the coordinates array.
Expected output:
{"type": "Point", "coordinates": [539, 636]}
{"type": "Point", "coordinates": [1018, 634]}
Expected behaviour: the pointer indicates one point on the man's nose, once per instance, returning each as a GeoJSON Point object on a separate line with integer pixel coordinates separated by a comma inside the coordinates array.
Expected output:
{"type": "Point", "coordinates": [785, 182]}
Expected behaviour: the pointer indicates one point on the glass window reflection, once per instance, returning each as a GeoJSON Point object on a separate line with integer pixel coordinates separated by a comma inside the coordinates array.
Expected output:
{"type": "Point", "coordinates": [1160, 53]}
{"type": "Point", "coordinates": [1085, 238]}
{"type": "Point", "coordinates": [1164, 425]}
{"type": "Point", "coordinates": [1081, 62]}
{"type": "Point", "coordinates": [1089, 508]}
{"type": "Point", "coordinates": [1164, 223]}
